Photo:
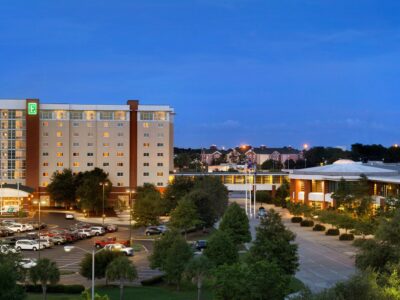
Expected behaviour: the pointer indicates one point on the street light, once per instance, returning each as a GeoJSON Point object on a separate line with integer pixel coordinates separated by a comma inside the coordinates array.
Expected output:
{"type": "Point", "coordinates": [70, 248]}
{"type": "Point", "coordinates": [104, 184]}
{"type": "Point", "coordinates": [130, 192]}
{"type": "Point", "coordinates": [39, 203]}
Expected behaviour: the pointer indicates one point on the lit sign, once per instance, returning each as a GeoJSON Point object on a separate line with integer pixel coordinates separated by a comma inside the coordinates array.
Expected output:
{"type": "Point", "coordinates": [32, 108]}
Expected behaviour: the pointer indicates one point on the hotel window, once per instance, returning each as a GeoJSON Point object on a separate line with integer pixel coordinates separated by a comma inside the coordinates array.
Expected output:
{"type": "Point", "coordinates": [90, 144]}
{"type": "Point", "coordinates": [120, 134]}
{"type": "Point", "coordinates": [45, 114]}
{"type": "Point", "coordinates": [59, 134]}
{"type": "Point", "coordinates": [160, 164]}
{"type": "Point", "coordinates": [90, 115]}
{"type": "Point", "coordinates": [146, 174]}
{"type": "Point", "coordinates": [160, 135]}
{"type": "Point", "coordinates": [120, 144]}
{"type": "Point", "coordinates": [160, 116]}
{"type": "Point", "coordinates": [45, 174]}
{"type": "Point", "coordinates": [44, 183]}
{"type": "Point", "coordinates": [120, 164]}
{"type": "Point", "coordinates": [120, 153]}
{"type": "Point", "coordinates": [45, 164]}
{"type": "Point", "coordinates": [160, 125]}
{"type": "Point", "coordinates": [120, 124]}
{"type": "Point", "coordinates": [106, 124]}
{"type": "Point", "coordinates": [160, 184]}
{"type": "Point", "coordinates": [106, 164]}
{"type": "Point", "coordinates": [45, 154]}
{"type": "Point", "coordinates": [45, 144]}
{"type": "Point", "coordinates": [75, 124]}
{"type": "Point", "coordinates": [120, 184]}
{"type": "Point", "coordinates": [90, 154]}
{"type": "Point", "coordinates": [60, 164]}
{"type": "Point", "coordinates": [61, 115]}
{"type": "Point", "coordinates": [90, 164]}
{"type": "Point", "coordinates": [146, 116]}
{"type": "Point", "coordinates": [120, 115]}
{"type": "Point", "coordinates": [106, 154]}
{"type": "Point", "coordinates": [146, 154]}
{"type": "Point", "coordinates": [76, 134]}
{"type": "Point", "coordinates": [90, 134]}
{"type": "Point", "coordinates": [146, 164]}
{"type": "Point", "coordinates": [45, 134]}
{"type": "Point", "coordinates": [160, 144]}
{"type": "Point", "coordinates": [146, 145]}
{"type": "Point", "coordinates": [106, 115]}
{"type": "Point", "coordinates": [60, 154]}
{"type": "Point", "coordinates": [60, 124]}
{"type": "Point", "coordinates": [75, 164]}
{"type": "Point", "coordinates": [146, 125]}
{"type": "Point", "coordinates": [75, 144]}
{"type": "Point", "coordinates": [106, 134]}
{"type": "Point", "coordinates": [146, 134]}
{"type": "Point", "coordinates": [75, 154]}
{"type": "Point", "coordinates": [59, 144]}
{"type": "Point", "coordinates": [120, 174]}
{"type": "Point", "coordinates": [160, 174]}
{"type": "Point", "coordinates": [76, 115]}
{"type": "Point", "coordinates": [160, 154]}
{"type": "Point", "coordinates": [106, 144]}
{"type": "Point", "coordinates": [45, 124]}
{"type": "Point", "coordinates": [89, 124]}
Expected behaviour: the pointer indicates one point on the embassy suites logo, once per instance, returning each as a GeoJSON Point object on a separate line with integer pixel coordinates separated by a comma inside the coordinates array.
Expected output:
{"type": "Point", "coordinates": [32, 108]}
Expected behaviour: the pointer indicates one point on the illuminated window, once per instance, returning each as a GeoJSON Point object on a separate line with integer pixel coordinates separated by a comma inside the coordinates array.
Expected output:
{"type": "Point", "coordinates": [120, 164]}
{"type": "Point", "coordinates": [120, 115]}
{"type": "Point", "coordinates": [75, 154]}
{"type": "Point", "coordinates": [106, 154]}
{"type": "Point", "coordinates": [45, 124]}
{"type": "Point", "coordinates": [120, 174]}
{"type": "Point", "coordinates": [146, 145]}
{"type": "Point", "coordinates": [45, 174]}
{"type": "Point", "coordinates": [90, 115]}
{"type": "Point", "coordinates": [106, 164]}
{"type": "Point", "coordinates": [106, 144]}
{"type": "Point", "coordinates": [59, 134]}
{"type": "Point", "coordinates": [106, 134]}
{"type": "Point", "coordinates": [60, 124]}
{"type": "Point", "coordinates": [146, 125]}
{"type": "Point", "coordinates": [75, 164]}
{"type": "Point", "coordinates": [44, 184]}
{"type": "Point", "coordinates": [60, 164]}
{"type": "Point", "coordinates": [160, 174]}
{"type": "Point", "coordinates": [59, 144]}
{"type": "Point", "coordinates": [120, 153]}
{"type": "Point", "coordinates": [61, 114]}
{"type": "Point", "coordinates": [59, 154]}
{"type": "Point", "coordinates": [105, 124]}
{"type": "Point", "coordinates": [45, 164]}
{"type": "Point", "coordinates": [160, 116]}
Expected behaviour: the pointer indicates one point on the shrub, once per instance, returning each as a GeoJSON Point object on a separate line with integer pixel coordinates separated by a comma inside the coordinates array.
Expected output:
{"type": "Point", "coordinates": [57, 289]}
{"type": "Point", "coordinates": [332, 231]}
{"type": "Point", "coordinates": [346, 237]}
{"type": "Point", "coordinates": [297, 219]}
{"type": "Point", "coordinates": [307, 223]}
{"type": "Point", "coordinates": [319, 227]}
{"type": "Point", "coordinates": [153, 280]}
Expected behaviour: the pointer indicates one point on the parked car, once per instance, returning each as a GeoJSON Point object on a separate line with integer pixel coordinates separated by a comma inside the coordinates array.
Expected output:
{"type": "Point", "coordinates": [28, 245]}
{"type": "Point", "coordinates": [84, 233]}
{"type": "Point", "coordinates": [200, 245]}
{"type": "Point", "coordinates": [69, 216]}
{"type": "Point", "coordinates": [163, 228]}
{"type": "Point", "coordinates": [28, 226]}
{"type": "Point", "coordinates": [4, 231]}
{"type": "Point", "coordinates": [8, 222]}
{"type": "Point", "coordinates": [9, 240]}
{"type": "Point", "coordinates": [109, 240]}
{"type": "Point", "coordinates": [57, 240]}
{"type": "Point", "coordinates": [17, 227]}
{"type": "Point", "coordinates": [128, 251]}
{"type": "Point", "coordinates": [97, 230]}
{"type": "Point", "coordinates": [152, 230]}
{"type": "Point", "coordinates": [47, 243]}
{"type": "Point", "coordinates": [28, 263]}
{"type": "Point", "coordinates": [111, 227]}
{"type": "Point", "coordinates": [261, 212]}
{"type": "Point", "coordinates": [36, 225]}
{"type": "Point", "coordinates": [81, 225]}
{"type": "Point", "coordinates": [6, 249]}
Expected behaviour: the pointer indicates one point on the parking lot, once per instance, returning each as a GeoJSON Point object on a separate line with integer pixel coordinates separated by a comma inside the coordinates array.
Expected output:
{"type": "Point", "coordinates": [68, 262]}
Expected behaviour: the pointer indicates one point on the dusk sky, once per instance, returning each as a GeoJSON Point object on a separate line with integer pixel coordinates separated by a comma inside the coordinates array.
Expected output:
{"type": "Point", "coordinates": [283, 72]}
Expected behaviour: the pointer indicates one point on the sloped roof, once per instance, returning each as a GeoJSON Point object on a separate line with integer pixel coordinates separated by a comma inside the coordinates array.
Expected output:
{"type": "Point", "coordinates": [283, 150]}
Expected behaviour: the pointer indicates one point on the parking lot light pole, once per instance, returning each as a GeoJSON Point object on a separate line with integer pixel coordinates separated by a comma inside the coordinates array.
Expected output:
{"type": "Point", "coordinates": [104, 184]}
{"type": "Point", "coordinates": [39, 203]}
{"type": "Point", "coordinates": [93, 252]}
{"type": "Point", "coordinates": [130, 192]}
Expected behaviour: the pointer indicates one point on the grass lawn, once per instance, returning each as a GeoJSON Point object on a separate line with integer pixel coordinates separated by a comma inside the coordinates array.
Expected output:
{"type": "Point", "coordinates": [142, 293]}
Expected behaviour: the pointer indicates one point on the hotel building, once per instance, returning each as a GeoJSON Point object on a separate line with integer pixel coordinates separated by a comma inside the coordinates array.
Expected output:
{"type": "Point", "coordinates": [133, 143]}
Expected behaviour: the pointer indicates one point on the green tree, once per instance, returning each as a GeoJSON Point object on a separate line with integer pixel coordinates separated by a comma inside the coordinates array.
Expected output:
{"type": "Point", "coordinates": [236, 224]}
{"type": "Point", "coordinates": [87, 295]}
{"type": "Point", "coordinates": [365, 226]}
{"type": "Point", "coordinates": [342, 195]}
{"type": "Point", "coordinates": [197, 270]}
{"type": "Point", "coordinates": [122, 270]}
{"type": "Point", "coordinates": [161, 246]}
{"type": "Point", "coordinates": [101, 262]}
{"type": "Point", "coordinates": [185, 215]}
{"type": "Point", "coordinates": [221, 249]}
{"type": "Point", "coordinates": [345, 221]}
{"type": "Point", "coordinates": [180, 187]}
{"type": "Point", "coordinates": [45, 272]}
{"type": "Point", "coordinates": [90, 190]}
{"type": "Point", "coordinates": [231, 282]}
{"type": "Point", "coordinates": [271, 164]}
{"type": "Point", "coordinates": [329, 217]}
{"type": "Point", "coordinates": [147, 206]}
{"type": "Point", "coordinates": [282, 193]}
{"type": "Point", "coordinates": [9, 276]}
{"type": "Point", "coordinates": [62, 187]}
{"type": "Point", "coordinates": [274, 243]}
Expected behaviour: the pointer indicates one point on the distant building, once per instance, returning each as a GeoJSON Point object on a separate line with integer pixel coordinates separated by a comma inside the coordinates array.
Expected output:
{"type": "Point", "coordinates": [263, 153]}
{"type": "Point", "coordinates": [211, 155]}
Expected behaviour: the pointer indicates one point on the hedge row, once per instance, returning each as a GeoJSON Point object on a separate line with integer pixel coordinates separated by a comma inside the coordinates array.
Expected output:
{"type": "Point", "coordinates": [56, 289]}
{"type": "Point", "coordinates": [319, 227]}
{"type": "Point", "coordinates": [153, 280]}
{"type": "Point", "coordinates": [346, 237]}
{"type": "Point", "coordinates": [307, 223]}
{"type": "Point", "coordinates": [297, 219]}
{"type": "Point", "coordinates": [332, 231]}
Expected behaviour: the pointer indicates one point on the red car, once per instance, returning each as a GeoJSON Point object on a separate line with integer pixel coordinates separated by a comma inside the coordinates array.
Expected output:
{"type": "Point", "coordinates": [110, 240]}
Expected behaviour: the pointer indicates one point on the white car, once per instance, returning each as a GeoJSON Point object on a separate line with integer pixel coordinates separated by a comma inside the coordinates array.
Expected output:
{"type": "Point", "coordinates": [28, 245]}
{"type": "Point", "coordinates": [17, 227]}
{"type": "Point", "coordinates": [28, 227]}
{"type": "Point", "coordinates": [6, 249]}
{"type": "Point", "coordinates": [128, 251]}
{"type": "Point", "coordinates": [45, 242]}
{"type": "Point", "coordinates": [28, 263]}
{"type": "Point", "coordinates": [69, 216]}
{"type": "Point", "coordinates": [97, 230]}
{"type": "Point", "coordinates": [85, 233]}
{"type": "Point", "coordinates": [8, 222]}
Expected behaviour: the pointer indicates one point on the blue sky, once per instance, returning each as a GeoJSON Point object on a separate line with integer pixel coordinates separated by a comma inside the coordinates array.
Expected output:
{"type": "Point", "coordinates": [284, 72]}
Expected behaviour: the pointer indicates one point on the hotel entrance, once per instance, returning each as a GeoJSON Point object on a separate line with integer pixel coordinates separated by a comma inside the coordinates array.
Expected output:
{"type": "Point", "coordinates": [14, 198]}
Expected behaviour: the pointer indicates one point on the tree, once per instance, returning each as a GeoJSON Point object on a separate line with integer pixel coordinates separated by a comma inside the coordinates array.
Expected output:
{"type": "Point", "coordinates": [365, 226]}
{"type": "Point", "coordinates": [101, 262]}
{"type": "Point", "coordinates": [122, 270]}
{"type": "Point", "coordinates": [197, 270]}
{"type": "Point", "coordinates": [158, 257]}
{"type": "Point", "coordinates": [342, 195]}
{"type": "Point", "coordinates": [345, 221]}
{"type": "Point", "coordinates": [62, 187]}
{"type": "Point", "coordinates": [274, 243]}
{"type": "Point", "coordinates": [45, 272]}
{"type": "Point", "coordinates": [90, 191]}
{"type": "Point", "coordinates": [282, 193]}
{"type": "Point", "coordinates": [221, 249]}
{"type": "Point", "coordinates": [180, 187]}
{"type": "Point", "coordinates": [147, 206]}
{"type": "Point", "coordinates": [236, 224]}
{"type": "Point", "coordinates": [9, 276]}
{"type": "Point", "coordinates": [271, 164]}
{"type": "Point", "coordinates": [185, 215]}
{"type": "Point", "coordinates": [230, 282]}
